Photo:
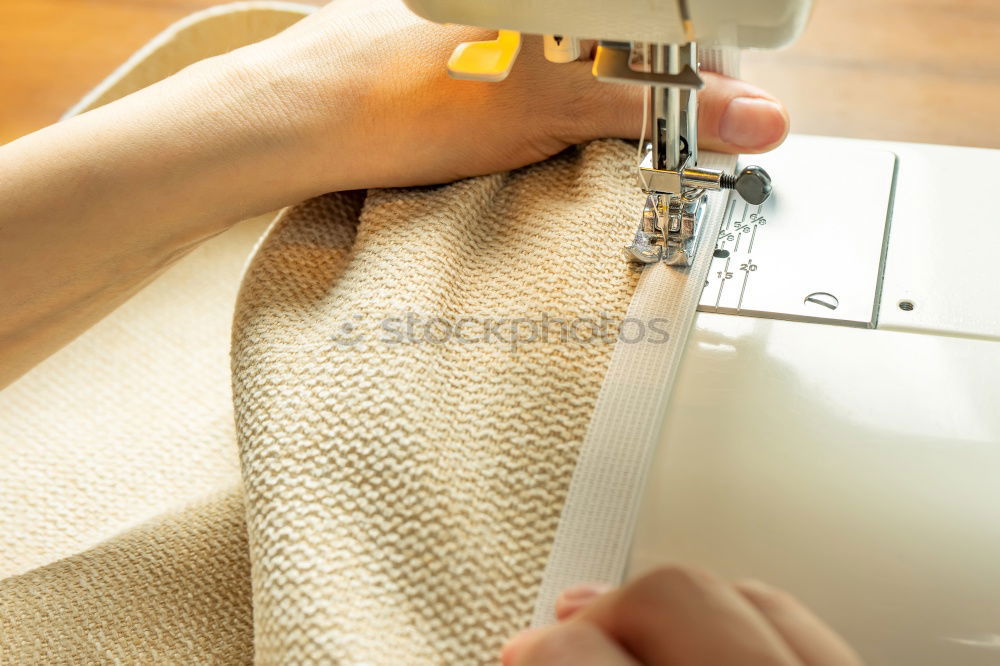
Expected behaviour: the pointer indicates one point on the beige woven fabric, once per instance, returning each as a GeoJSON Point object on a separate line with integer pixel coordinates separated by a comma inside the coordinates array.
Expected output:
{"type": "Point", "coordinates": [172, 591]}
{"type": "Point", "coordinates": [402, 497]}
{"type": "Point", "coordinates": [120, 496]}
{"type": "Point", "coordinates": [122, 534]}
{"type": "Point", "coordinates": [403, 489]}
{"type": "Point", "coordinates": [134, 419]}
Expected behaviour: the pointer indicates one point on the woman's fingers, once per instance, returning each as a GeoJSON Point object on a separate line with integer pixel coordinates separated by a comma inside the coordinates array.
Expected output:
{"type": "Point", "coordinates": [680, 615]}
{"type": "Point", "coordinates": [810, 638]}
{"type": "Point", "coordinates": [683, 616]}
{"type": "Point", "coordinates": [567, 644]}
{"type": "Point", "coordinates": [573, 599]}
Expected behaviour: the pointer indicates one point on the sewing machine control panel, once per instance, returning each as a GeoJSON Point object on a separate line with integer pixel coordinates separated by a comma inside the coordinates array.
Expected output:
{"type": "Point", "coordinates": [815, 250]}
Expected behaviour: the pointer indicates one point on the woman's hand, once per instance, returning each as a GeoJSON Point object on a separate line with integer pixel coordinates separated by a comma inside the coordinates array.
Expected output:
{"type": "Point", "coordinates": [355, 96]}
{"type": "Point", "coordinates": [682, 617]}
{"type": "Point", "coordinates": [366, 84]}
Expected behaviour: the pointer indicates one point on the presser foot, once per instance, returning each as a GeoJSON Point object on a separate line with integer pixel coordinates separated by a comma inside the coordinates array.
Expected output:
{"type": "Point", "coordinates": [668, 230]}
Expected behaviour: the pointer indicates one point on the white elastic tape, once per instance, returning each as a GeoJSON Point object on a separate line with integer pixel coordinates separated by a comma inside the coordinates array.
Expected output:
{"type": "Point", "coordinates": [723, 60]}
{"type": "Point", "coordinates": [598, 519]}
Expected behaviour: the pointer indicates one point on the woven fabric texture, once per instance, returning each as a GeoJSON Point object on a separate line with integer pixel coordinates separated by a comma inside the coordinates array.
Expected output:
{"type": "Point", "coordinates": [122, 532]}
{"type": "Point", "coordinates": [413, 373]}
{"type": "Point", "coordinates": [174, 590]}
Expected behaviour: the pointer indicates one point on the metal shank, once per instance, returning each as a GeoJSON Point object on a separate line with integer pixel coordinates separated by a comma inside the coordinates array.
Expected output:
{"type": "Point", "coordinates": [668, 173]}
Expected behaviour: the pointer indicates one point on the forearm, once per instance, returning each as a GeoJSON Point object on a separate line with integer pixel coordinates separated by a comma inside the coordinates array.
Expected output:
{"type": "Point", "coordinates": [92, 208]}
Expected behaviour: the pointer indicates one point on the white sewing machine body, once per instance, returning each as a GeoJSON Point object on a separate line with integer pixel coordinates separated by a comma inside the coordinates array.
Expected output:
{"type": "Point", "coordinates": [857, 467]}
{"type": "Point", "coordinates": [742, 23]}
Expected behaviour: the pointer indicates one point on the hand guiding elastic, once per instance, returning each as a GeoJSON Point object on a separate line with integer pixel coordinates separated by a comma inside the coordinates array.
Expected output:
{"type": "Point", "coordinates": [682, 617]}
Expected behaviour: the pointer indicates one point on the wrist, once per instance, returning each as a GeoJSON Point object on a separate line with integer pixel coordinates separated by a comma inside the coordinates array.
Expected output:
{"type": "Point", "coordinates": [218, 131]}
{"type": "Point", "coordinates": [288, 113]}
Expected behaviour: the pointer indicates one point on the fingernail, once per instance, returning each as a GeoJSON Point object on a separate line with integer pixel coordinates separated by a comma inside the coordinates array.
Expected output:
{"type": "Point", "coordinates": [752, 122]}
{"type": "Point", "coordinates": [516, 644]}
{"type": "Point", "coordinates": [585, 592]}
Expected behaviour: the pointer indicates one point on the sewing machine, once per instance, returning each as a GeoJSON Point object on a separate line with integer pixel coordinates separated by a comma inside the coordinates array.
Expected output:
{"type": "Point", "coordinates": [834, 426]}
{"type": "Point", "coordinates": [653, 44]}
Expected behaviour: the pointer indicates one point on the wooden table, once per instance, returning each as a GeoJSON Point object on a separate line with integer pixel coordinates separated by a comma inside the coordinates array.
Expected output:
{"type": "Point", "coordinates": [907, 70]}
{"type": "Point", "coordinates": [911, 70]}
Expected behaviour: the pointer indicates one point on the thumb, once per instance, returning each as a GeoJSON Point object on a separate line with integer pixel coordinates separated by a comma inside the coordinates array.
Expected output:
{"type": "Point", "coordinates": [733, 116]}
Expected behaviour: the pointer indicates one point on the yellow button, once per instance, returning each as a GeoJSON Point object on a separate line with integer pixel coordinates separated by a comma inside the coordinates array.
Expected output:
{"type": "Point", "coordinates": [486, 61]}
